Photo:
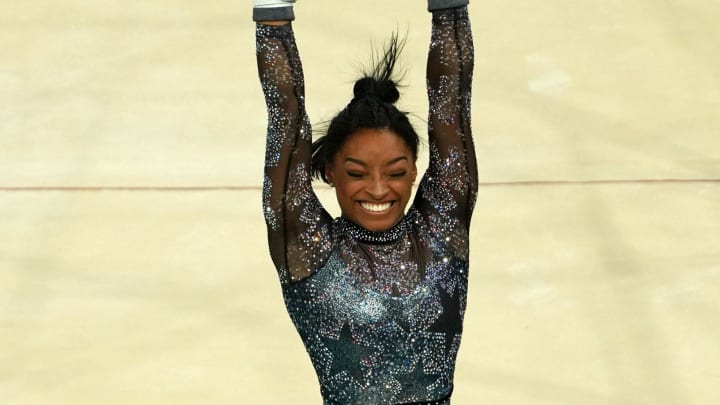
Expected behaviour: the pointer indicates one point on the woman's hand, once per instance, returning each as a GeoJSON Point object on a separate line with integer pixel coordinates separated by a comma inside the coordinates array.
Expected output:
{"type": "Point", "coordinates": [442, 4]}
{"type": "Point", "coordinates": [273, 12]}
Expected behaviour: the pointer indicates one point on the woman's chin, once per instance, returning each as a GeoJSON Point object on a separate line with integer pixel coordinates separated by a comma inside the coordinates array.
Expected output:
{"type": "Point", "coordinates": [378, 224]}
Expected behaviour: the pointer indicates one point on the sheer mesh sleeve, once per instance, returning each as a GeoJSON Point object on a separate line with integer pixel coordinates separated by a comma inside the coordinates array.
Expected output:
{"type": "Point", "coordinates": [448, 190]}
{"type": "Point", "coordinates": [297, 225]}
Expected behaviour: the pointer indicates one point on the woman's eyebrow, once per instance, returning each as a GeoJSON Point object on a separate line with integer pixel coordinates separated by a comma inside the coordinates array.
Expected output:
{"type": "Point", "coordinates": [397, 159]}
{"type": "Point", "coordinates": [353, 160]}
{"type": "Point", "coordinates": [361, 163]}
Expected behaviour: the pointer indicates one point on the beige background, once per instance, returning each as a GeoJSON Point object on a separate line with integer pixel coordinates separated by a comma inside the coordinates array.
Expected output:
{"type": "Point", "coordinates": [133, 265]}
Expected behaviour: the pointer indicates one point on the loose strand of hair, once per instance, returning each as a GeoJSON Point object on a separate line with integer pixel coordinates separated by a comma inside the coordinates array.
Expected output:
{"type": "Point", "coordinates": [384, 62]}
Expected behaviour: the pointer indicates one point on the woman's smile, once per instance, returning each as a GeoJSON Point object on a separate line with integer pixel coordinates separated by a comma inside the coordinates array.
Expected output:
{"type": "Point", "coordinates": [376, 208]}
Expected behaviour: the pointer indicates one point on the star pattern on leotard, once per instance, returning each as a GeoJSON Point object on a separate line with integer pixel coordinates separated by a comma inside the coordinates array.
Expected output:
{"type": "Point", "coordinates": [450, 320]}
{"type": "Point", "coordinates": [417, 380]}
{"type": "Point", "coordinates": [348, 355]}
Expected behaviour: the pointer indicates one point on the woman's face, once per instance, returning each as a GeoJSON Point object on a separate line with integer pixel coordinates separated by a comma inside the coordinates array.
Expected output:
{"type": "Point", "coordinates": [373, 174]}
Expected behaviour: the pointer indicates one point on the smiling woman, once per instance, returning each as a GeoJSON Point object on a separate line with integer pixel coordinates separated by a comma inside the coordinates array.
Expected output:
{"type": "Point", "coordinates": [373, 173]}
{"type": "Point", "coordinates": [378, 295]}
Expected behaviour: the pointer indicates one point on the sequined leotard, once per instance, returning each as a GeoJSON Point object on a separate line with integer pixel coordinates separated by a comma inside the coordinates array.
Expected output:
{"type": "Point", "coordinates": [380, 313]}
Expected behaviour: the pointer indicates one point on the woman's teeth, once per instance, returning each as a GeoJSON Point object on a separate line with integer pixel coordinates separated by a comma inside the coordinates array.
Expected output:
{"type": "Point", "coordinates": [376, 207]}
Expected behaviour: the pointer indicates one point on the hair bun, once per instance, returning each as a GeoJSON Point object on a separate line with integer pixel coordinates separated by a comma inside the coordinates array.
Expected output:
{"type": "Point", "coordinates": [385, 90]}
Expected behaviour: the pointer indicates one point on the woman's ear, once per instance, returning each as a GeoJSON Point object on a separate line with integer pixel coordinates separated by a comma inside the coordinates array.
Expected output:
{"type": "Point", "coordinates": [330, 175]}
{"type": "Point", "coordinates": [413, 172]}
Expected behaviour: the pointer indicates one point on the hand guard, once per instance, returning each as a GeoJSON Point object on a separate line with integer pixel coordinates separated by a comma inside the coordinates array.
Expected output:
{"type": "Point", "coordinates": [273, 10]}
{"type": "Point", "coordinates": [443, 4]}
{"type": "Point", "coordinates": [272, 3]}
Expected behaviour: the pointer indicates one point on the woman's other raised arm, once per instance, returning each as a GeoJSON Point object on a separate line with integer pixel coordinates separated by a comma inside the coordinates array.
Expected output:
{"type": "Point", "coordinates": [449, 187]}
{"type": "Point", "coordinates": [297, 225]}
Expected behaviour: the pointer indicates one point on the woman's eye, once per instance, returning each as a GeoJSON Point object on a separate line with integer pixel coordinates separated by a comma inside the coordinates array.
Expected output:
{"type": "Point", "coordinates": [398, 174]}
{"type": "Point", "coordinates": [354, 174]}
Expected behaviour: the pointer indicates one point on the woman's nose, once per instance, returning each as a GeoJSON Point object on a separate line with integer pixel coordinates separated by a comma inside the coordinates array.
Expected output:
{"type": "Point", "coordinates": [378, 188]}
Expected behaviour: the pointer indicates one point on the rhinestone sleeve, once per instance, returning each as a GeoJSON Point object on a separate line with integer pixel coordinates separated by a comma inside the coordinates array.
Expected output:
{"type": "Point", "coordinates": [298, 227]}
{"type": "Point", "coordinates": [448, 190]}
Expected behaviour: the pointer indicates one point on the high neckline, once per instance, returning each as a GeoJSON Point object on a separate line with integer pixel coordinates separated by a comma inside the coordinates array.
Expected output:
{"type": "Point", "coordinates": [380, 237]}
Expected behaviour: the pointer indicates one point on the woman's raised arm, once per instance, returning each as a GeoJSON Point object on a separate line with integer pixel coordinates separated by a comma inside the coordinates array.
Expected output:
{"type": "Point", "coordinates": [298, 227]}
{"type": "Point", "coordinates": [449, 187]}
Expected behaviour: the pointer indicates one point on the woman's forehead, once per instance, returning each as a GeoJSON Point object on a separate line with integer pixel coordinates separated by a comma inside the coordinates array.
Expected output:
{"type": "Point", "coordinates": [376, 143]}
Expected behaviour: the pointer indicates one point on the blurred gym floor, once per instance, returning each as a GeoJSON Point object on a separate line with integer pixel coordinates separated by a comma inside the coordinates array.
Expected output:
{"type": "Point", "coordinates": [133, 260]}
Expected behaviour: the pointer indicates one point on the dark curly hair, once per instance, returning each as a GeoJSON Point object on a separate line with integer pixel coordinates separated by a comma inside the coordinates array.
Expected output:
{"type": "Point", "coordinates": [372, 107]}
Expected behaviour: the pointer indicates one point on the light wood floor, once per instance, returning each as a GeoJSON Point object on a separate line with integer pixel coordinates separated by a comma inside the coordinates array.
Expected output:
{"type": "Point", "coordinates": [133, 264]}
